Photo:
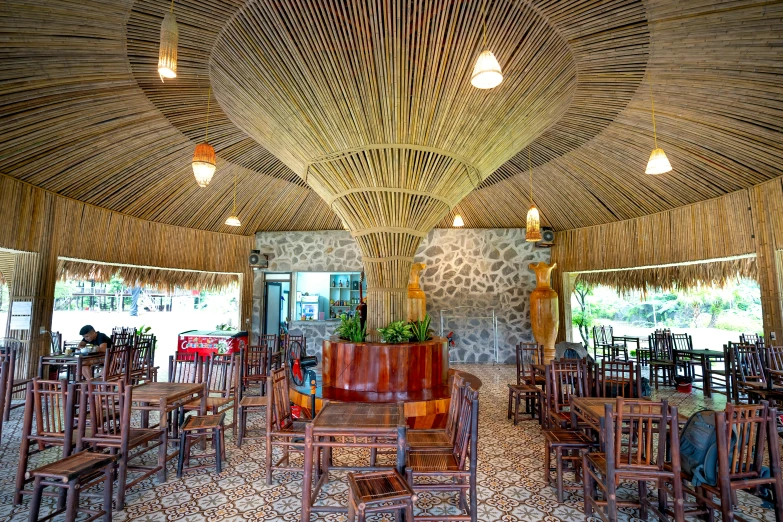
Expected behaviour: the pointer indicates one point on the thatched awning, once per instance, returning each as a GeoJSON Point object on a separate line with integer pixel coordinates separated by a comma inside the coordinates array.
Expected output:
{"type": "Point", "coordinates": [680, 276]}
{"type": "Point", "coordinates": [155, 277]}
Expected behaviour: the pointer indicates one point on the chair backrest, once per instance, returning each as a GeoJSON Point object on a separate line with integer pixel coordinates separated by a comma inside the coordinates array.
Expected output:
{"type": "Point", "coordinates": [278, 411]}
{"type": "Point", "coordinates": [457, 389]}
{"type": "Point", "coordinates": [599, 336]}
{"type": "Point", "coordinates": [618, 379]}
{"type": "Point", "coordinates": [222, 375]}
{"type": "Point", "coordinates": [751, 338]}
{"type": "Point", "coordinates": [751, 425]}
{"type": "Point", "coordinates": [56, 339]}
{"type": "Point", "coordinates": [528, 354]}
{"type": "Point", "coordinates": [108, 404]}
{"type": "Point", "coordinates": [650, 425]}
{"type": "Point", "coordinates": [117, 362]}
{"type": "Point", "coordinates": [775, 356]}
{"type": "Point", "coordinates": [467, 426]}
{"type": "Point", "coordinates": [255, 361]}
{"type": "Point", "coordinates": [747, 363]}
{"type": "Point", "coordinates": [274, 359]}
{"type": "Point", "coordinates": [52, 407]}
{"type": "Point", "coordinates": [148, 344]}
{"type": "Point", "coordinates": [682, 341]}
{"type": "Point", "coordinates": [122, 338]}
{"type": "Point", "coordinates": [567, 378]}
{"type": "Point", "coordinates": [660, 346]}
{"type": "Point", "coordinates": [185, 368]}
{"type": "Point", "coordinates": [301, 339]}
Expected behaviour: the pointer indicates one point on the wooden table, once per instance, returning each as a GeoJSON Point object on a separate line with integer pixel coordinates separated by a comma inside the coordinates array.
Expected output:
{"type": "Point", "coordinates": [74, 363]}
{"type": "Point", "coordinates": [704, 358]}
{"type": "Point", "coordinates": [625, 339]}
{"type": "Point", "coordinates": [167, 397]}
{"type": "Point", "coordinates": [338, 425]}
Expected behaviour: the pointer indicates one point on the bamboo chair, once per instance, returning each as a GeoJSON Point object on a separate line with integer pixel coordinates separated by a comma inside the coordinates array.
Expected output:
{"type": "Point", "coordinates": [440, 439]}
{"type": "Point", "coordinates": [756, 429]}
{"type": "Point", "coordinates": [720, 379]}
{"type": "Point", "coordinates": [618, 379]}
{"type": "Point", "coordinates": [51, 405]}
{"type": "Point", "coordinates": [10, 349]}
{"type": "Point", "coordinates": [109, 406]}
{"type": "Point", "coordinates": [661, 358]}
{"type": "Point", "coordinates": [250, 403]}
{"type": "Point", "coordinates": [526, 387]}
{"type": "Point", "coordinates": [458, 463]}
{"type": "Point", "coordinates": [775, 365]}
{"type": "Point", "coordinates": [185, 368]}
{"type": "Point", "coordinates": [282, 429]}
{"type": "Point", "coordinates": [147, 343]}
{"type": "Point", "coordinates": [222, 380]}
{"type": "Point", "coordinates": [117, 362]}
{"type": "Point", "coordinates": [273, 350]}
{"type": "Point", "coordinates": [750, 374]}
{"type": "Point", "coordinates": [56, 341]}
{"type": "Point", "coordinates": [684, 362]}
{"type": "Point", "coordinates": [564, 379]}
{"type": "Point", "coordinates": [603, 339]}
{"type": "Point", "coordinates": [255, 366]}
{"type": "Point", "coordinates": [640, 457]}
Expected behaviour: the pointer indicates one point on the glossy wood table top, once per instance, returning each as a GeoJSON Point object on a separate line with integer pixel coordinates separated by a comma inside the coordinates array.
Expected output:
{"type": "Point", "coordinates": [359, 417]}
{"type": "Point", "coordinates": [86, 360]}
{"type": "Point", "coordinates": [167, 392]}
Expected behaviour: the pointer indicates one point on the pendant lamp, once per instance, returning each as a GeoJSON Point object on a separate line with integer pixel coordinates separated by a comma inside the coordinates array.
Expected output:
{"type": "Point", "coordinates": [658, 162]}
{"type": "Point", "coordinates": [204, 156]}
{"type": "Point", "coordinates": [486, 72]}
{"type": "Point", "coordinates": [533, 225]}
{"type": "Point", "coordinates": [233, 220]}
{"type": "Point", "coordinates": [167, 54]}
{"type": "Point", "coordinates": [458, 221]}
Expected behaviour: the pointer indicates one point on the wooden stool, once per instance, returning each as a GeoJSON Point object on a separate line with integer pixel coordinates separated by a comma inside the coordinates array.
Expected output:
{"type": "Point", "coordinates": [532, 396]}
{"type": "Point", "coordinates": [378, 491]}
{"type": "Point", "coordinates": [195, 427]}
{"type": "Point", "coordinates": [72, 475]}
{"type": "Point", "coordinates": [562, 442]}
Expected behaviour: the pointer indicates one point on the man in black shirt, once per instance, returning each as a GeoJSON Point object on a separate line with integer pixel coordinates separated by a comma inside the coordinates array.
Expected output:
{"type": "Point", "coordinates": [90, 336]}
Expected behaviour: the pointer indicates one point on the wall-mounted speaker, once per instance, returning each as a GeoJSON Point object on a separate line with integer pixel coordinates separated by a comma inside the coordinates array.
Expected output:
{"type": "Point", "coordinates": [258, 260]}
{"type": "Point", "coordinates": [547, 238]}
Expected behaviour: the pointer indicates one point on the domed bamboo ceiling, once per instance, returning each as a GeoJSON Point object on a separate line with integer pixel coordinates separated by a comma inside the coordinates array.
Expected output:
{"type": "Point", "coordinates": [306, 91]}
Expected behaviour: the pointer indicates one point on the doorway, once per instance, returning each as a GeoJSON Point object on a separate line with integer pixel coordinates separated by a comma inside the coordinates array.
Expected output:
{"type": "Point", "coordinates": [276, 295]}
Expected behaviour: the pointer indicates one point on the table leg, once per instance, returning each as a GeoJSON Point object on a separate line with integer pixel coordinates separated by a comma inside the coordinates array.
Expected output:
{"type": "Point", "coordinates": [705, 377]}
{"type": "Point", "coordinates": [307, 479]}
{"type": "Point", "coordinates": [401, 441]}
{"type": "Point", "coordinates": [164, 439]}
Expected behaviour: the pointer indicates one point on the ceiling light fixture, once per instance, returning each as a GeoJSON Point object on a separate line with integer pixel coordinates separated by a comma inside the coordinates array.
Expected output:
{"type": "Point", "coordinates": [658, 162]}
{"type": "Point", "coordinates": [486, 73]}
{"type": "Point", "coordinates": [533, 225]}
{"type": "Point", "coordinates": [169, 37]}
{"type": "Point", "coordinates": [458, 221]}
{"type": "Point", "coordinates": [233, 220]}
{"type": "Point", "coordinates": [204, 163]}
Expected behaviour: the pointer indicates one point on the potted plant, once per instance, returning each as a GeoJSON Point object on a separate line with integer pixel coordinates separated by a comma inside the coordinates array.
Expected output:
{"type": "Point", "coordinates": [396, 332]}
{"type": "Point", "coordinates": [421, 329]}
{"type": "Point", "coordinates": [351, 329]}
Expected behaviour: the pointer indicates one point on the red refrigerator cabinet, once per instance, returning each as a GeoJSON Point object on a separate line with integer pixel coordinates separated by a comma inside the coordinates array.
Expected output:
{"type": "Point", "coordinates": [205, 343]}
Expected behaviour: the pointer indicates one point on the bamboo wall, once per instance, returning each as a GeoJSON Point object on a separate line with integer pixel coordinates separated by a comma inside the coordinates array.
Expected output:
{"type": "Point", "coordinates": [43, 227]}
{"type": "Point", "coordinates": [743, 223]}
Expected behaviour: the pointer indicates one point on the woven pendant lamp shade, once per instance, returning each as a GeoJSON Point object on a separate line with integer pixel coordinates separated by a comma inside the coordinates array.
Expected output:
{"type": "Point", "coordinates": [533, 226]}
{"type": "Point", "coordinates": [204, 164]}
{"type": "Point", "coordinates": [167, 55]}
{"type": "Point", "coordinates": [658, 163]}
{"type": "Point", "coordinates": [486, 72]}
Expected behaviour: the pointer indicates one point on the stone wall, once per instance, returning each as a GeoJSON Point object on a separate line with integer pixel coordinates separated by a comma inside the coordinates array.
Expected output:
{"type": "Point", "coordinates": [470, 273]}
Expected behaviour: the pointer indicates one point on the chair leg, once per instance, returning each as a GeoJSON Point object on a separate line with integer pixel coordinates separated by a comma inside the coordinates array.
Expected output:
{"type": "Point", "coordinates": [122, 480]}
{"type": "Point", "coordinates": [643, 500]}
{"type": "Point", "coordinates": [107, 493]}
{"type": "Point", "coordinates": [72, 501]}
{"type": "Point", "coordinates": [268, 459]}
{"type": "Point", "coordinates": [217, 444]}
{"type": "Point", "coordinates": [516, 409]}
{"type": "Point", "coordinates": [241, 434]}
{"type": "Point", "coordinates": [181, 456]}
{"type": "Point", "coordinates": [588, 486]}
{"type": "Point", "coordinates": [547, 464]}
{"type": "Point", "coordinates": [35, 503]}
{"type": "Point", "coordinates": [559, 477]}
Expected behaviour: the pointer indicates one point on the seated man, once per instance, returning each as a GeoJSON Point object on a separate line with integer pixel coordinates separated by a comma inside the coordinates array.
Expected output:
{"type": "Point", "coordinates": [97, 339]}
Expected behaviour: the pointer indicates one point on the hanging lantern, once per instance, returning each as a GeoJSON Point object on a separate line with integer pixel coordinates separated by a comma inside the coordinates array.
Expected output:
{"type": "Point", "coordinates": [533, 225]}
{"type": "Point", "coordinates": [233, 220]}
{"type": "Point", "coordinates": [204, 164]}
{"type": "Point", "coordinates": [167, 55]}
{"type": "Point", "coordinates": [486, 73]}
{"type": "Point", "coordinates": [458, 221]}
{"type": "Point", "coordinates": [658, 163]}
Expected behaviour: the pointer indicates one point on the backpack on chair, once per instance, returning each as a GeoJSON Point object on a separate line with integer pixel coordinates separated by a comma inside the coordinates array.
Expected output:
{"type": "Point", "coordinates": [699, 448]}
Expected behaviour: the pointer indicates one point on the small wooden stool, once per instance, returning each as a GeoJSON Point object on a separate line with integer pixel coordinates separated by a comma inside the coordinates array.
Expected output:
{"type": "Point", "coordinates": [72, 475]}
{"type": "Point", "coordinates": [562, 442]}
{"type": "Point", "coordinates": [195, 427]}
{"type": "Point", "coordinates": [379, 491]}
{"type": "Point", "coordinates": [532, 396]}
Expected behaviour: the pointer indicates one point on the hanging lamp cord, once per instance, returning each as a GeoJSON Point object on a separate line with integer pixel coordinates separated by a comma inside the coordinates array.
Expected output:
{"type": "Point", "coordinates": [652, 106]}
{"type": "Point", "coordinates": [171, 9]}
{"type": "Point", "coordinates": [530, 166]}
{"type": "Point", "coordinates": [234, 212]}
{"type": "Point", "coordinates": [483, 22]}
{"type": "Point", "coordinates": [206, 132]}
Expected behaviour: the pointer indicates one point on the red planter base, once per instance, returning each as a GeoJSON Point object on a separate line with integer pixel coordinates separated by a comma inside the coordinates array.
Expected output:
{"type": "Point", "coordinates": [685, 388]}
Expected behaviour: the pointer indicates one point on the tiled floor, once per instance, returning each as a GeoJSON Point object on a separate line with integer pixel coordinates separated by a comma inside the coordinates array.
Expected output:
{"type": "Point", "coordinates": [510, 477]}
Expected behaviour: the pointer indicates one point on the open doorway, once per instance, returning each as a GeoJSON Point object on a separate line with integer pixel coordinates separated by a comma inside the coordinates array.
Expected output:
{"type": "Point", "coordinates": [277, 290]}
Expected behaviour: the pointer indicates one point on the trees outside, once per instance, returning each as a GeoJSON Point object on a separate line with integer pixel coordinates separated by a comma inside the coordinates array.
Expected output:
{"type": "Point", "coordinates": [581, 317]}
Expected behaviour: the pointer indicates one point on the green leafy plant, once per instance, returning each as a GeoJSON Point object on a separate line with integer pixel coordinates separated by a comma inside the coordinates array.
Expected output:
{"type": "Point", "coordinates": [224, 327]}
{"type": "Point", "coordinates": [421, 329]}
{"type": "Point", "coordinates": [351, 329]}
{"type": "Point", "coordinates": [143, 330]}
{"type": "Point", "coordinates": [396, 332]}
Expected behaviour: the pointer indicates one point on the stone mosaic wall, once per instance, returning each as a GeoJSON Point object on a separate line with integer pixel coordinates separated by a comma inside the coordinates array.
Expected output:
{"type": "Point", "coordinates": [470, 273]}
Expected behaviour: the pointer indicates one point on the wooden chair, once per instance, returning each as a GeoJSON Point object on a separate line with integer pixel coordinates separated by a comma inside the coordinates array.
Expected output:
{"type": "Point", "coordinates": [282, 429]}
{"type": "Point", "coordinates": [117, 363]}
{"type": "Point", "coordinates": [222, 380]}
{"type": "Point", "coordinates": [662, 358]}
{"type": "Point", "coordinates": [640, 457]}
{"type": "Point", "coordinates": [454, 469]}
{"type": "Point", "coordinates": [250, 404]}
{"type": "Point", "coordinates": [525, 388]}
{"type": "Point", "coordinates": [10, 350]}
{"type": "Point", "coordinates": [775, 364]}
{"type": "Point", "coordinates": [750, 377]}
{"type": "Point", "coordinates": [379, 491]}
{"type": "Point", "coordinates": [109, 407]}
{"type": "Point", "coordinates": [73, 475]}
{"type": "Point", "coordinates": [255, 366]}
{"type": "Point", "coordinates": [567, 446]}
{"type": "Point", "coordinates": [56, 342]}
{"type": "Point", "coordinates": [273, 350]}
{"type": "Point", "coordinates": [564, 379]}
{"type": "Point", "coordinates": [185, 368]}
{"type": "Point", "coordinates": [145, 370]}
{"type": "Point", "coordinates": [720, 378]}
{"type": "Point", "coordinates": [683, 362]}
{"type": "Point", "coordinates": [196, 427]}
{"type": "Point", "coordinates": [51, 405]}
{"type": "Point", "coordinates": [440, 439]}
{"type": "Point", "coordinates": [756, 433]}
{"type": "Point", "coordinates": [603, 340]}
{"type": "Point", "coordinates": [618, 379]}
